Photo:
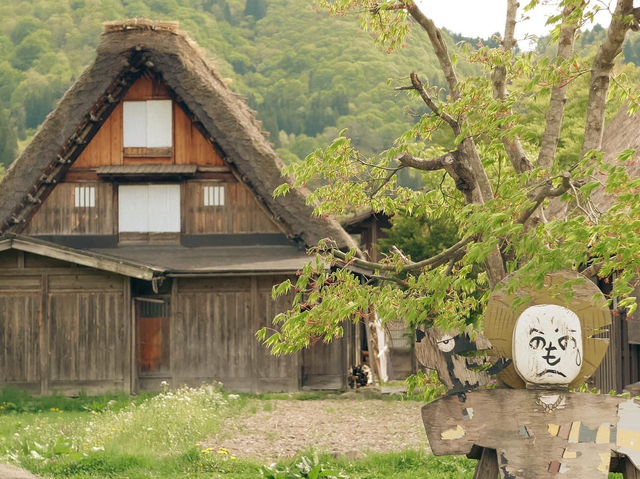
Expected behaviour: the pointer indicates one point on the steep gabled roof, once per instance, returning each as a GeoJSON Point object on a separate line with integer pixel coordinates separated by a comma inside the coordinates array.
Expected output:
{"type": "Point", "coordinates": [622, 132]}
{"type": "Point", "coordinates": [127, 49]}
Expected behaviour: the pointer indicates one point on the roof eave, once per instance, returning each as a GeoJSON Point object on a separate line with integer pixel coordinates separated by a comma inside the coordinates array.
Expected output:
{"type": "Point", "coordinates": [80, 257]}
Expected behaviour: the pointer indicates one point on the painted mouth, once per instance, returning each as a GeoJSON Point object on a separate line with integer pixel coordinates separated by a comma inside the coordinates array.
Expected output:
{"type": "Point", "coordinates": [551, 371]}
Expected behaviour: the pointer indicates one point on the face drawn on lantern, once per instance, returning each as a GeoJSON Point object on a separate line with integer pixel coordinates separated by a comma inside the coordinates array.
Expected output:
{"type": "Point", "coordinates": [547, 345]}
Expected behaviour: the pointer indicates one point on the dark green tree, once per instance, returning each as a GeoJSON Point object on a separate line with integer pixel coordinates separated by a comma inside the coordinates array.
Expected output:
{"type": "Point", "coordinates": [256, 8]}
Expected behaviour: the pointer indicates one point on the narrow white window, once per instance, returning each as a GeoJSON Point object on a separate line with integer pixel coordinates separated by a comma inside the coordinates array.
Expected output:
{"type": "Point", "coordinates": [214, 195]}
{"type": "Point", "coordinates": [85, 196]}
{"type": "Point", "coordinates": [147, 124]}
{"type": "Point", "coordinates": [149, 208]}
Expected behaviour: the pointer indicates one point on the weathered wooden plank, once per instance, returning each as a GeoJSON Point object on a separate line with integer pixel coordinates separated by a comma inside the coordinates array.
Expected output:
{"type": "Point", "coordinates": [59, 215]}
{"type": "Point", "coordinates": [487, 467]}
{"type": "Point", "coordinates": [219, 284]}
{"type": "Point", "coordinates": [540, 431]}
{"type": "Point", "coordinates": [9, 259]}
{"type": "Point", "coordinates": [92, 261]}
{"type": "Point", "coordinates": [43, 335]}
{"type": "Point", "coordinates": [629, 471]}
{"type": "Point", "coordinates": [19, 283]}
{"type": "Point", "coordinates": [85, 282]}
{"type": "Point", "coordinates": [20, 349]}
{"type": "Point", "coordinates": [83, 340]}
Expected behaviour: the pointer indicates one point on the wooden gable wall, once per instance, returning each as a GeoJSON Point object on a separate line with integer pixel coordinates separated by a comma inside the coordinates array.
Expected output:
{"type": "Point", "coordinates": [78, 315]}
{"type": "Point", "coordinates": [241, 212]}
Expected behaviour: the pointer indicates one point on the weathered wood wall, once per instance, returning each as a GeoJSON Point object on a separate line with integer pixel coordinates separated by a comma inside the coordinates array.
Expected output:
{"type": "Point", "coordinates": [75, 314]}
{"type": "Point", "coordinates": [59, 216]}
{"type": "Point", "coordinates": [241, 212]}
{"type": "Point", "coordinates": [213, 331]}
{"type": "Point", "coordinates": [82, 318]}
{"type": "Point", "coordinates": [106, 148]}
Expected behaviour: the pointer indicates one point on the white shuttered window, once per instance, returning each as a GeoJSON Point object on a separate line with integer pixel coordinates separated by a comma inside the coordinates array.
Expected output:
{"type": "Point", "coordinates": [149, 208]}
{"type": "Point", "coordinates": [85, 196]}
{"type": "Point", "coordinates": [214, 195]}
{"type": "Point", "coordinates": [147, 124]}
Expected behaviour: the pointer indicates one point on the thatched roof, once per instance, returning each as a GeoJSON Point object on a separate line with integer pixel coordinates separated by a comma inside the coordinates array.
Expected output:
{"type": "Point", "coordinates": [127, 49]}
{"type": "Point", "coordinates": [622, 132]}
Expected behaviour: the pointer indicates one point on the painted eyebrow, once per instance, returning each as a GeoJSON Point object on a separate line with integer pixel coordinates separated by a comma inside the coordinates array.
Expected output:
{"type": "Point", "coordinates": [536, 330]}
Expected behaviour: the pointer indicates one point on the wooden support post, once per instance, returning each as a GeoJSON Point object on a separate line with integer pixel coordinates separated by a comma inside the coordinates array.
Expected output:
{"type": "Point", "coordinates": [487, 467]}
{"type": "Point", "coordinates": [133, 351]}
{"type": "Point", "coordinates": [44, 321]}
{"type": "Point", "coordinates": [127, 363]}
{"type": "Point", "coordinates": [629, 471]}
{"type": "Point", "coordinates": [254, 313]}
{"type": "Point", "coordinates": [173, 343]}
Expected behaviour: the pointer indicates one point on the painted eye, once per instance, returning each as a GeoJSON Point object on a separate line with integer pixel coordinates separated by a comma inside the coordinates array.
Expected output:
{"type": "Point", "coordinates": [537, 342]}
{"type": "Point", "coordinates": [563, 342]}
{"type": "Point", "coordinates": [446, 344]}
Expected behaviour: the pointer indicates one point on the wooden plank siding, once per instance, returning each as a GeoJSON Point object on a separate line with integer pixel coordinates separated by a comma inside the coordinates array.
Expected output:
{"type": "Point", "coordinates": [20, 355]}
{"type": "Point", "coordinates": [214, 328]}
{"type": "Point", "coordinates": [59, 216]}
{"type": "Point", "coordinates": [190, 147]}
{"type": "Point", "coordinates": [241, 212]}
{"type": "Point", "coordinates": [213, 332]}
{"type": "Point", "coordinates": [77, 315]}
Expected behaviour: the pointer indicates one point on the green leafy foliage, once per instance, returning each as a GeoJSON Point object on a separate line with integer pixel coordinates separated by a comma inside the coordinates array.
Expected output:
{"type": "Point", "coordinates": [436, 274]}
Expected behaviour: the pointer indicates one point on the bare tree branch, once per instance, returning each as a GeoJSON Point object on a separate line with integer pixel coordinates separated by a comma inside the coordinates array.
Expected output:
{"type": "Point", "coordinates": [387, 179]}
{"type": "Point", "coordinates": [393, 279]}
{"type": "Point", "coordinates": [439, 163]}
{"type": "Point", "coordinates": [601, 72]}
{"type": "Point", "coordinates": [456, 251]}
{"type": "Point", "coordinates": [559, 92]}
{"type": "Point", "coordinates": [468, 147]}
{"type": "Point", "coordinates": [546, 191]}
{"type": "Point", "coordinates": [439, 47]}
{"type": "Point", "coordinates": [514, 148]}
{"type": "Point", "coordinates": [419, 87]}
{"type": "Point", "coordinates": [452, 164]}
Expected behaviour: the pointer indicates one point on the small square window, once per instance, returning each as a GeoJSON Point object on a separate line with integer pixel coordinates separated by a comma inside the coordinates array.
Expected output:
{"type": "Point", "coordinates": [214, 195]}
{"type": "Point", "coordinates": [147, 124]}
{"type": "Point", "coordinates": [85, 196]}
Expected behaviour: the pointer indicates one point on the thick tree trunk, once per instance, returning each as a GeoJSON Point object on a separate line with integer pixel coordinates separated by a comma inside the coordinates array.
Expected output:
{"type": "Point", "coordinates": [513, 147]}
{"type": "Point", "coordinates": [601, 73]}
{"type": "Point", "coordinates": [468, 146]}
{"type": "Point", "coordinates": [469, 153]}
{"type": "Point", "coordinates": [559, 92]}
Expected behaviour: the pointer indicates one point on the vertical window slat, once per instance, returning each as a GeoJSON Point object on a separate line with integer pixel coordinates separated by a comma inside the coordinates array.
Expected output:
{"type": "Point", "coordinates": [84, 196]}
{"type": "Point", "coordinates": [213, 195]}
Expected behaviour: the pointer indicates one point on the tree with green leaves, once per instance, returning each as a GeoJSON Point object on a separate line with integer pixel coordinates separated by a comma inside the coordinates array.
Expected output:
{"type": "Point", "coordinates": [522, 209]}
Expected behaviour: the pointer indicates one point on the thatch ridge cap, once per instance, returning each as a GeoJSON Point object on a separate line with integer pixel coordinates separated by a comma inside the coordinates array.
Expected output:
{"type": "Point", "coordinates": [140, 24]}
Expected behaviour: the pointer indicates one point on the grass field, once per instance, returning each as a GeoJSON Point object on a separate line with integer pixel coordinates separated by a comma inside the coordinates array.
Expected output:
{"type": "Point", "coordinates": [160, 436]}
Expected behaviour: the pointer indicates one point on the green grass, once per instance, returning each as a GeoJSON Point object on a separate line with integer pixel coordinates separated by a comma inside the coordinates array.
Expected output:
{"type": "Point", "coordinates": [158, 436]}
{"type": "Point", "coordinates": [15, 400]}
{"type": "Point", "coordinates": [197, 464]}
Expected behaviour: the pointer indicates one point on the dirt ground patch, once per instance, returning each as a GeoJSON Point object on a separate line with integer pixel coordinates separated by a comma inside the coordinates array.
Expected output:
{"type": "Point", "coordinates": [343, 427]}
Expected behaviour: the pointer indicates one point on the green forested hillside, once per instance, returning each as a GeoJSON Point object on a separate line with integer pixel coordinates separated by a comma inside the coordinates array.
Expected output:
{"type": "Point", "coordinates": [308, 75]}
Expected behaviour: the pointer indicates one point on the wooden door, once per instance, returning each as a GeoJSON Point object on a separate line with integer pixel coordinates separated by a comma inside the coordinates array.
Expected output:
{"type": "Point", "coordinates": [153, 336]}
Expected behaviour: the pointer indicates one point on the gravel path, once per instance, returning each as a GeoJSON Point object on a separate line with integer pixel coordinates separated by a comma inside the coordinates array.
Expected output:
{"type": "Point", "coordinates": [11, 472]}
{"type": "Point", "coordinates": [343, 427]}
